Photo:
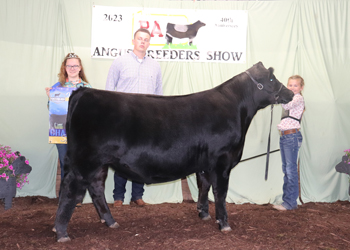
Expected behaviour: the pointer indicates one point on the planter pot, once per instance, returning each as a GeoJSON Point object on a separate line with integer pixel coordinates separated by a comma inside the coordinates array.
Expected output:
{"type": "Point", "coordinates": [344, 167]}
{"type": "Point", "coordinates": [8, 191]}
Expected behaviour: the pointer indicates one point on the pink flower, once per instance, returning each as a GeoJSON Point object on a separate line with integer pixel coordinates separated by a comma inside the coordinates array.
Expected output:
{"type": "Point", "coordinates": [6, 159]}
{"type": "Point", "coordinates": [27, 162]}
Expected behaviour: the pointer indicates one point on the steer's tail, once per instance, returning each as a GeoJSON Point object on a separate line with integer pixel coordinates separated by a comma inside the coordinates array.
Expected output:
{"type": "Point", "coordinates": [73, 101]}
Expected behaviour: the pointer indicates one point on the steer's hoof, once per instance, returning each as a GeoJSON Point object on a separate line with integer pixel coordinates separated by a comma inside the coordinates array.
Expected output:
{"type": "Point", "coordinates": [226, 229]}
{"type": "Point", "coordinates": [114, 225]}
{"type": "Point", "coordinates": [64, 239]}
{"type": "Point", "coordinates": [54, 229]}
{"type": "Point", "coordinates": [206, 217]}
{"type": "Point", "coordinates": [103, 221]}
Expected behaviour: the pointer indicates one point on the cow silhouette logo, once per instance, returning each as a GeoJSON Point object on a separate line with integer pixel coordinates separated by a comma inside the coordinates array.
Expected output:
{"type": "Point", "coordinates": [182, 31]}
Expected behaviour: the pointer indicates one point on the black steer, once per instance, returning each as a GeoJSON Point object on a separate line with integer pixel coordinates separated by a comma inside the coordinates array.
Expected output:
{"type": "Point", "coordinates": [182, 31]}
{"type": "Point", "coordinates": [153, 139]}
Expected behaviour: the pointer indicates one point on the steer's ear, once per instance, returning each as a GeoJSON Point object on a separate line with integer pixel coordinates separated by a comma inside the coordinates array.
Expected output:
{"type": "Point", "coordinates": [270, 72]}
{"type": "Point", "coordinates": [260, 64]}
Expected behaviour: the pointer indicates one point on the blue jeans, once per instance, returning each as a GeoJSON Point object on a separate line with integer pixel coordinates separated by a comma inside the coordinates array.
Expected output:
{"type": "Point", "coordinates": [289, 146]}
{"type": "Point", "coordinates": [119, 189]}
{"type": "Point", "coordinates": [62, 150]}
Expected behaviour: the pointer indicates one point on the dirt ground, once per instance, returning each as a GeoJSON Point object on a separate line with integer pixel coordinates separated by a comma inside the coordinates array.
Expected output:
{"type": "Point", "coordinates": [27, 225]}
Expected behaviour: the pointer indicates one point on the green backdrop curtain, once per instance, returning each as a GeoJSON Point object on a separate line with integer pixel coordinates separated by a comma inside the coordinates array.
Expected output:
{"type": "Point", "coordinates": [309, 38]}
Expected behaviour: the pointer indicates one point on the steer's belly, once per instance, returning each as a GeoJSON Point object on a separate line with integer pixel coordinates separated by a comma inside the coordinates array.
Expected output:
{"type": "Point", "coordinates": [150, 177]}
{"type": "Point", "coordinates": [146, 171]}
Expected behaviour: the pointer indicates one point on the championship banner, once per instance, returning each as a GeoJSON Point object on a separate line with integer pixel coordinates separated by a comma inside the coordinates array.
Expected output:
{"type": "Point", "coordinates": [58, 114]}
{"type": "Point", "coordinates": [176, 35]}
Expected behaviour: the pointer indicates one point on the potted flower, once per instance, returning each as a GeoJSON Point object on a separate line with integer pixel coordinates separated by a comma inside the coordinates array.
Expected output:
{"type": "Point", "coordinates": [14, 171]}
{"type": "Point", "coordinates": [347, 153]}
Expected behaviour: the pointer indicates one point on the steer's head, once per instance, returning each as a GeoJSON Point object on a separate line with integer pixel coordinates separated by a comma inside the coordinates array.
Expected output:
{"type": "Point", "coordinates": [268, 90]}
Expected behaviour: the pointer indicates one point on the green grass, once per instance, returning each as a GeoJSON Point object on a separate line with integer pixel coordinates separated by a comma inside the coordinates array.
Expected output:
{"type": "Point", "coordinates": [179, 46]}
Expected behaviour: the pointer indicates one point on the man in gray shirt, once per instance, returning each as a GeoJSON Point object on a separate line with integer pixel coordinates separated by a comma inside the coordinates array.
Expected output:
{"type": "Point", "coordinates": [134, 72]}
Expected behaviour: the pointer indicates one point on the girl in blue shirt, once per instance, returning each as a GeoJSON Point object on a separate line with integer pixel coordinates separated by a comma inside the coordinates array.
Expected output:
{"type": "Point", "coordinates": [71, 75]}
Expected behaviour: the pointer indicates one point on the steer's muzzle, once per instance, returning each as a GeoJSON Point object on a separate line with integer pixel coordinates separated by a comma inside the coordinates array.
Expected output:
{"type": "Point", "coordinates": [284, 96]}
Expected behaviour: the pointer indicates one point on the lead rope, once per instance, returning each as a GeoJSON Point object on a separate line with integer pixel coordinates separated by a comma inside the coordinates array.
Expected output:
{"type": "Point", "coordinates": [268, 147]}
{"type": "Point", "coordinates": [260, 87]}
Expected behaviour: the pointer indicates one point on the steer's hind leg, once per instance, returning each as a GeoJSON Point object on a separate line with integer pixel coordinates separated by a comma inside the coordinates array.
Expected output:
{"type": "Point", "coordinates": [203, 189]}
{"type": "Point", "coordinates": [96, 190]}
{"type": "Point", "coordinates": [71, 187]}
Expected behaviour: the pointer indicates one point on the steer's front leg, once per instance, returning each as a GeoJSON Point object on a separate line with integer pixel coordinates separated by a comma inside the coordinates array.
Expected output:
{"type": "Point", "coordinates": [220, 186]}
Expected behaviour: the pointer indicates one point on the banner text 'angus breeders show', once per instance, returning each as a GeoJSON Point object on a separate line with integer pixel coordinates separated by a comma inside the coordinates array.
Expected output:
{"type": "Point", "coordinates": [176, 35]}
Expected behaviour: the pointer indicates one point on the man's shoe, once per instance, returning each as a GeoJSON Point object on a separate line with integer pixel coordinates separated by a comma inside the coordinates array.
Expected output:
{"type": "Point", "coordinates": [118, 203]}
{"type": "Point", "coordinates": [279, 207]}
{"type": "Point", "coordinates": [138, 202]}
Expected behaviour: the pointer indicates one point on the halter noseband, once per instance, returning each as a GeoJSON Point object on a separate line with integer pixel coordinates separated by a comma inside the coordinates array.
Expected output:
{"type": "Point", "coordinates": [260, 86]}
